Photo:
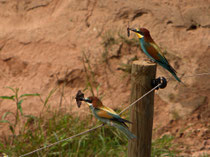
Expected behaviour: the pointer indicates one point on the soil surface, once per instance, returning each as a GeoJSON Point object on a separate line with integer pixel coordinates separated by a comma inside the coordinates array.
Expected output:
{"type": "Point", "coordinates": [74, 44]}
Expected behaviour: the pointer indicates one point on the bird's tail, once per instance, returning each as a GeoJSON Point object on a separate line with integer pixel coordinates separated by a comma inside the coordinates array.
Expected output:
{"type": "Point", "coordinates": [125, 131]}
{"type": "Point", "coordinates": [173, 72]}
{"type": "Point", "coordinates": [167, 66]}
{"type": "Point", "coordinates": [175, 76]}
{"type": "Point", "coordinates": [178, 79]}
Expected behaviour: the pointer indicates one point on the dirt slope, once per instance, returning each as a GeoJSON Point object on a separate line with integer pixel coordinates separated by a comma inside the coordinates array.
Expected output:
{"type": "Point", "coordinates": [43, 42]}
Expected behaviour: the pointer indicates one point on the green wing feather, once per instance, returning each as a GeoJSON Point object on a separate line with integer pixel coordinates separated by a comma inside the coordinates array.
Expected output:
{"type": "Point", "coordinates": [105, 112]}
{"type": "Point", "coordinates": [118, 122]}
{"type": "Point", "coordinates": [156, 53]}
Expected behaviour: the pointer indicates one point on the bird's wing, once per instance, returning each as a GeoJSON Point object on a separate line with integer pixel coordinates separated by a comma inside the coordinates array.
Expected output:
{"type": "Point", "coordinates": [162, 58]}
{"type": "Point", "coordinates": [106, 112]}
{"type": "Point", "coordinates": [155, 52]}
{"type": "Point", "coordinates": [157, 48]}
{"type": "Point", "coordinates": [103, 114]}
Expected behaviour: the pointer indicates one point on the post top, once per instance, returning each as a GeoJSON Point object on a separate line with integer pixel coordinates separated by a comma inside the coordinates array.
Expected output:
{"type": "Point", "coordinates": [144, 63]}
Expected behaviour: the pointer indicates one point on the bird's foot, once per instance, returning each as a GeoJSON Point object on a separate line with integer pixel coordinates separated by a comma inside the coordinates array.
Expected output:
{"type": "Point", "coordinates": [149, 60]}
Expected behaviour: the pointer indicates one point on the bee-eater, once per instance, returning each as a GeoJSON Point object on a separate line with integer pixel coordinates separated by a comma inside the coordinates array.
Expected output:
{"type": "Point", "coordinates": [152, 50]}
{"type": "Point", "coordinates": [107, 115]}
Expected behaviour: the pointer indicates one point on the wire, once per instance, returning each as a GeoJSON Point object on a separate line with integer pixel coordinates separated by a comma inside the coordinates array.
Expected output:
{"type": "Point", "coordinates": [140, 98]}
{"type": "Point", "coordinates": [62, 140]}
{"type": "Point", "coordinates": [82, 133]}
{"type": "Point", "coordinates": [201, 74]}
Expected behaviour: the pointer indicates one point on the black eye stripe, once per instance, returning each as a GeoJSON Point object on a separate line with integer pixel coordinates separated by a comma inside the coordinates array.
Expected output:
{"type": "Point", "coordinates": [139, 32]}
{"type": "Point", "coordinates": [89, 101]}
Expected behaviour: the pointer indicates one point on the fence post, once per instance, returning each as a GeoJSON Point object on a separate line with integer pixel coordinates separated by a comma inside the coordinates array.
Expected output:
{"type": "Point", "coordinates": [141, 113]}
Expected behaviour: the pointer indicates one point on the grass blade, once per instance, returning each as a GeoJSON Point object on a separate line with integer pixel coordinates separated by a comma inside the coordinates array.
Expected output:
{"type": "Point", "coordinates": [5, 115]}
{"type": "Point", "coordinates": [25, 95]}
{"type": "Point", "coordinates": [12, 89]}
{"type": "Point", "coordinates": [30, 116]}
{"type": "Point", "coordinates": [48, 97]}
{"type": "Point", "coordinates": [7, 97]}
{"type": "Point", "coordinates": [19, 106]}
{"type": "Point", "coordinates": [5, 121]}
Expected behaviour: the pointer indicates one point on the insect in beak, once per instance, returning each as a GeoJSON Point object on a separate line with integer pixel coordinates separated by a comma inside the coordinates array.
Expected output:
{"type": "Point", "coordinates": [79, 98]}
{"type": "Point", "coordinates": [132, 29]}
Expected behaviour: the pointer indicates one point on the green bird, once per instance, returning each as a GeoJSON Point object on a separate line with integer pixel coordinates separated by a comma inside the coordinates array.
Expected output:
{"type": "Point", "coordinates": [152, 50]}
{"type": "Point", "coordinates": [105, 114]}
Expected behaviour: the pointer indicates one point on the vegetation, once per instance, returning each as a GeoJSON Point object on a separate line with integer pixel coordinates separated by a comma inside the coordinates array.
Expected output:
{"type": "Point", "coordinates": [53, 126]}
{"type": "Point", "coordinates": [18, 100]}
{"type": "Point", "coordinates": [59, 126]}
{"type": "Point", "coordinates": [89, 74]}
{"type": "Point", "coordinates": [29, 133]}
{"type": "Point", "coordinates": [110, 39]}
{"type": "Point", "coordinates": [163, 147]}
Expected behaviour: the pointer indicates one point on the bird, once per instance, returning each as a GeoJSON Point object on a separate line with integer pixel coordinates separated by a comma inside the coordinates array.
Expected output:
{"type": "Point", "coordinates": [152, 50]}
{"type": "Point", "coordinates": [106, 115]}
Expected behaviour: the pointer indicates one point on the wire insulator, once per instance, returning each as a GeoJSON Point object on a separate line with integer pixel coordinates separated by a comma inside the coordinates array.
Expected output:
{"type": "Point", "coordinates": [160, 80]}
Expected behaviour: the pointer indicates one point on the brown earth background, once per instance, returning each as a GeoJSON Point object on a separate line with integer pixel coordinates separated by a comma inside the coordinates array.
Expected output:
{"type": "Point", "coordinates": [45, 44]}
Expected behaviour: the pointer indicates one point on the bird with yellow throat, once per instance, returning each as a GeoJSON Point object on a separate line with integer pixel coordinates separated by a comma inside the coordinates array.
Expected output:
{"type": "Point", "coordinates": [105, 114]}
{"type": "Point", "coordinates": [152, 50]}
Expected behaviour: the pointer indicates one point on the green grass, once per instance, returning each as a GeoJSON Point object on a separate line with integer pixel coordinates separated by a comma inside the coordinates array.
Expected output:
{"type": "Point", "coordinates": [17, 101]}
{"type": "Point", "coordinates": [163, 147]}
{"type": "Point", "coordinates": [52, 126]}
{"type": "Point", "coordinates": [204, 155]}
{"type": "Point", "coordinates": [44, 131]}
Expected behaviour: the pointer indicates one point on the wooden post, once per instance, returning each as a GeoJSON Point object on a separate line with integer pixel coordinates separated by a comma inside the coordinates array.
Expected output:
{"type": "Point", "coordinates": [142, 112]}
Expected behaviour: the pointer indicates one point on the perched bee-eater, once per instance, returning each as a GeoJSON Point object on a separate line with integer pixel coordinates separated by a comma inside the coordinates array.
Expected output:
{"type": "Point", "coordinates": [151, 49]}
{"type": "Point", "coordinates": [107, 115]}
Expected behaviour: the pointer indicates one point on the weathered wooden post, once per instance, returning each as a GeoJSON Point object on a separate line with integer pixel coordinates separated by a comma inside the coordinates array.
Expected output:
{"type": "Point", "coordinates": [142, 112]}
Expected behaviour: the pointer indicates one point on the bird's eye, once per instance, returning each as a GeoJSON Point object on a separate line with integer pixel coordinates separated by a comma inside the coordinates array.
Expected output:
{"type": "Point", "coordinates": [90, 101]}
{"type": "Point", "coordinates": [140, 32]}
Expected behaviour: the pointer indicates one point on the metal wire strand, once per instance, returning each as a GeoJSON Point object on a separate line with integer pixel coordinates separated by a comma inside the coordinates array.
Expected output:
{"type": "Point", "coordinates": [82, 133]}
{"type": "Point", "coordinates": [140, 98]}
{"type": "Point", "coordinates": [195, 75]}
{"type": "Point", "coordinates": [201, 74]}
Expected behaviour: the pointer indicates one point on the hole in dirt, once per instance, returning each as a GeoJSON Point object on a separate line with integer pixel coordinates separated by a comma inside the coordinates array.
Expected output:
{"type": "Point", "coordinates": [169, 22]}
{"type": "Point", "coordinates": [192, 27]}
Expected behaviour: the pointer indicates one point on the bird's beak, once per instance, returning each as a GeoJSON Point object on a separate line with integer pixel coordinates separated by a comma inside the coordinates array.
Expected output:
{"type": "Point", "coordinates": [134, 30]}
{"type": "Point", "coordinates": [138, 33]}
{"type": "Point", "coordinates": [87, 101]}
